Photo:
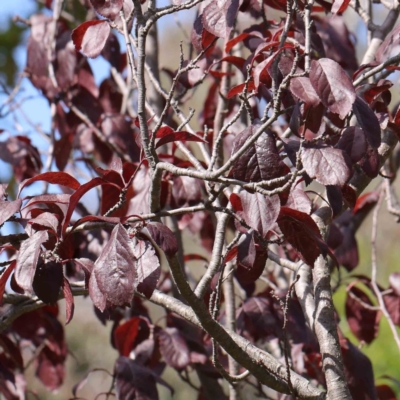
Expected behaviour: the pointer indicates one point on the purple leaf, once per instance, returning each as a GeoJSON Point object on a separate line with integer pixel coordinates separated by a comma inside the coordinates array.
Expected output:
{"type": "Point", "coordinates": [28, 258]}
{"type": "Point", "coordinates": [107, 8]}
{"type": "Point", "coordinates": [163, 237]}
{"type": "Point", "coordinates": [178, 137]}
{"type": "Point", "coordinates": [219, 17]}
{"type": "Point", "coordinates": [329, 166]}
{"type": "Point", "coordinates": [260, 212]}
{"type": "Point", "coordinates": [115, 268]}
{"type": "Point", "coordinates": [301, 87]}
{"type": "Point", "coordinates": [48, 281]}
{"type": "Point", "coordinates": [47, 220]}
{"type": "Point", "coordinates": [335, 199]}
{"type": "Point", "coordinates": [173, 348]}
{"type": "Point", "coordinates": [353, 143]}
{"type": "Point", "coordinates": [333, 86]}
{"type": "Point", "coordinates": [261, 161]}
{"type": "Point", "coordinates": [90, 37]}
{"type": "Point", "coordinates": [97, 296]}
{"type": "Point", "coordinates": [8, 209]}
{"type": "Point", "coordinates": [392, 303]}
{"type": "Point", "coordinates": [368, 122]}
{"type": "Point", "coordinates": [363, 322]}
{"type": "Point", "coordinates": [148, 267]}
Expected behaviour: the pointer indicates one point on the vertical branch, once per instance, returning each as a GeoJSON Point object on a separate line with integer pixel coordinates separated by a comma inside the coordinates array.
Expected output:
{"type": "Point", "coordinates": [374, 270]}
{"type": "Point", "coordinates": [307, 28]}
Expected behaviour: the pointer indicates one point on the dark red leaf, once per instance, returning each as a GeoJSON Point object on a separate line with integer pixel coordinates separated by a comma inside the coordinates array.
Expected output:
{"type": "Point", "coordinates": [261, 161]}
{"type": "Point", "coordinates": [115, 268]}
{"type": "Point", "coordinates": [90, 37]}
{"type": "Point", "coordinates": [368, 122]}
{"type": "Point", "coordinates": [353, 143]}
{"type": "Point", "coordinates": [8, 209]}
{"type": "Point", "coordinates": [147, 267]}
{"type": "Point", "coordinates": [392, 303]}
{"type": "Point", "coordinates": [69, 301]}
{"type": "Point", "coordinates": [327, 165]}
{"type": "Point", "coordinates": [385, 392]}
{"type": "Point", "coordinates": [301, 87]}
{"type": "Point", "coordinates": [233, 42]}
{"type": "Point", "coordinates": [163, 237]}
{"type": "Point", "coordinates": [125, 336]}
{"type": "Point", "coordinates": [370, 163]}
{"type": "Point", "coordinates": [219, 17]}
{"type": "Point", "coordinates": [48, 281]}
{"type": "Point", "coordinates": [173, 348]}
{"type": "Point", "coordinates": [302, 233]}
{"type": "Point", "coordinates": [108, 8]}
{"type": "Point", "coordinates": [97, 296]}
{"type": "Point", "coordinates": [238, 89]}
{"type": "Point", "coordinates": [363, 322]}
{"type": "Point", "coordinates": [335, 199]}
{"type": "Point", "coordinates": [28, 258]}
{"type": "Point", "coordinates": [51, 369]}
{"type": "Point", "coordinates": [178, 137]}
{"type": "Point", "coordinates": [333, 86]}
{"type": "Point", "coordinates": [366, 201]}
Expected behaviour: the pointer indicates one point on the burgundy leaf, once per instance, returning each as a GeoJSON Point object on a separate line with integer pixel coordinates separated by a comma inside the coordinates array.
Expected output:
{"type": "Point", "coordinates": [28, 258]}
{"type": "Point", "coordinates": [148, 267]}
{"type": "Point", "coordinates": [385, 392]}
{"type": "Point", "coordinates": [392, 303]}
{"type": "Point", "coordinates": [329, 166]}
{"type": "Point", "coordinates": [50, 369]}
{"type": "Point", "coordinates": [335, 199]}
{"type": "Point", "coordinates": [69, 301]}
{"type": "Point", "coordinates": [125, 336]}
{"type": "Point", "coordinates": [219, 17]}
{"type": "Point", "coordinates": [358, 372]}
{"type": "Point", "coordinates": [173, 348]}
{"type": "Point", "coordinates": [134, 381]}
{"type": "Point", "coordinates": [90, 37]}
{"type": "Point", "coordinates": [4, 278]}
{"type": "Point", "coordinates": [363, 322]}
{"type": "Point", "coordinates": [163, 237]}
{"type": "Point", "coordinates": [97, 296]}
{"type": "Point", "coordinates": [333, 86]}
{"type": "Point", "coordinates": [302, 233]}
{"type": "Point", "coordinates": [366, 202]}
{"type": "Point", "coordinates": [347, 252]}
{"type": "Point", "coordinates": [301, 87]}
{"type": "Point", "coordinates": [8, 209]}
{"type": "Point", "coordinates": [115, 268]}
{"type": "Point", "coordinates": [370, 163]}
{"type": "Point", "coordinates": [368, 122]}
{"type": "Point", "coordinates": [56, 178]}
{"type": "Point", "coordinates": [260, 212]}
{"type": "Point", "coordinates": [47, 220]}
{"type": "Point", "coordinates": [108, 8]}
{"type": "Point", "coordinates": [353, 143]}
{"type": "Point", "coordinates": [261, 161]}
{"type": "Point", "coordinates": [251, 260]}
{"type": "Point", "coordinates": [48, 281]}
{"type": "Point", "coordinates": [238, 89]}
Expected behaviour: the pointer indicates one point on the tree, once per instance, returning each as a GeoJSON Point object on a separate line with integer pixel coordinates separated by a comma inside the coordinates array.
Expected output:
{"type": "Point", "coordinates": [287, 105]}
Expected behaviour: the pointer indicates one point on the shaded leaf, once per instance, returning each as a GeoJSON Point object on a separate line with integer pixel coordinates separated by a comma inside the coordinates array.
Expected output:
{"type": "Point", "coordinates": [115, 268]}
{"type": "Point", "coordinates": [368, 122]}
{"type": "Point", "coordinates": [28, 258]}
{"type": "Point", "coordinates": [148, 267]}
{"type": "Point", "coordinates": [302, 233]}
{"type": "Point", "coordinates": [363, 321]}
{"type": "Point", "coordinates": [333, 86]}
{"type": "Point", "coordinates": [301, 87]}
{"type": "Point", "coordinates": [298, 200]}
{"type": "Point", "coordinates": [163, 237]}
{"type": "Point", "coordinates": [48, 281]}
{"type": "Point", "coordinates": [107, 8]}
{"type": "Point", "coordinates": [173, 348]}
{"type": "Point", "coordinates": [353, 142]}
{"type": "Point", "coordinates": [329, 166]}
